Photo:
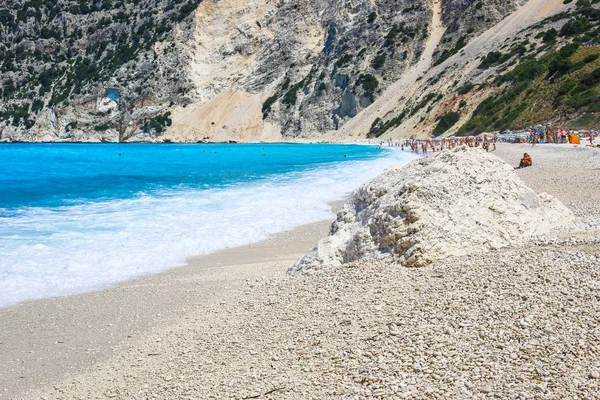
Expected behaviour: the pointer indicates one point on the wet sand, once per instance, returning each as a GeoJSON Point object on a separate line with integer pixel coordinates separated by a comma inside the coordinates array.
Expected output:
{"type": "Point", "coordinates": [44, 341]}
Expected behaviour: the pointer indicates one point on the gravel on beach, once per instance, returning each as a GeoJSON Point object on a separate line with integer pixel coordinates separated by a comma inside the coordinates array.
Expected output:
{"type": "Point", "coordinates": [517, 323]}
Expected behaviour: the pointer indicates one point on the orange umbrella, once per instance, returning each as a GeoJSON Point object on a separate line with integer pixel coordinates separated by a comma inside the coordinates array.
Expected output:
{"type": "Point", "coordinates": [574, 139]}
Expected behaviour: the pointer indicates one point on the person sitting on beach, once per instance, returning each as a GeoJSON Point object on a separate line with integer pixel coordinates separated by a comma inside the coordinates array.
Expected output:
{"type": "Point", "coordinates": [526, 161]}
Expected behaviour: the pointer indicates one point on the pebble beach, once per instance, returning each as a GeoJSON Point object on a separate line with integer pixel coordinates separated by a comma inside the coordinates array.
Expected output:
{"type": "Point", "coordinates": [517, 323]}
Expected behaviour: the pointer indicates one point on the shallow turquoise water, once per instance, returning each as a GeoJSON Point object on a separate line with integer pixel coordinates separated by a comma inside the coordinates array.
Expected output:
{"type": "Point", "coordinates": [79, 217]}
{"type": "Point", "coordinates": [52, 175]}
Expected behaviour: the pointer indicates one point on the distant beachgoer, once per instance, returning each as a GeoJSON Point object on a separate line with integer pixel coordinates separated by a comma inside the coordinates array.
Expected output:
{"type": "Point", "coordinates": [526, 161]}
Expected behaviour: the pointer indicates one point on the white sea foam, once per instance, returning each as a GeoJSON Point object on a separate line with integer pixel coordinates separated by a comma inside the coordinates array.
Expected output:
{"type": "Point", "coordinates": [75, 249]}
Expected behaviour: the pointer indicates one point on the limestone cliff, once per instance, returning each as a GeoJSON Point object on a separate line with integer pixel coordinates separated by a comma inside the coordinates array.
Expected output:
{"type": "Point", "coordinates": [104, 70]}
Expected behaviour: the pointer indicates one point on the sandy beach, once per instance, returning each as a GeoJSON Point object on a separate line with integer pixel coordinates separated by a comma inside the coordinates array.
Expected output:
{"type": "Point", "coordinates": [517, 323]}
{"type": "Point", "coordinates": [45, 341]}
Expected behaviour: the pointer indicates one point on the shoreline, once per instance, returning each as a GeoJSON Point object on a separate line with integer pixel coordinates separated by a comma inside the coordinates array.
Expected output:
{"type": "Point", "coordinates": [44, 340]}
{"type": "Point", "coordinates": [277, 189]}
{"type": "Point", "coordinates": [244, 334]}
{"type": "Point", "coordinates": [358, 142]}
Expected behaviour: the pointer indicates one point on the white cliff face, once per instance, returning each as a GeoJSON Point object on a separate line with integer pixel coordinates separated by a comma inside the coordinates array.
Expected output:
{"type": "Point", "coordinates": [106, 105]}
{"type": "Point", "coordinates": [331, 69]}
{"type": "Point", "coordinates": [450, 204]}
{"type": "Point", "coordinates": [239, 54]}
{"type": "Point", "coordinates": [227, 38]}
{"type": "Point", "coordinates": [247, 70]}
{"type": "Point", "coordinates": [239, 51]}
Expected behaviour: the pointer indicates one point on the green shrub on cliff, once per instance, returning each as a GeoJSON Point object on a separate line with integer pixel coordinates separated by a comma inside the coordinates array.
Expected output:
{"type": "Point", "coordinates": [369, 84]}
{"type": "Point", "coordinates": [266, 107]}
{"type": "Point", "coordinates": [157, 124]}
{"type": "Point", "coordinates": [446, 122]}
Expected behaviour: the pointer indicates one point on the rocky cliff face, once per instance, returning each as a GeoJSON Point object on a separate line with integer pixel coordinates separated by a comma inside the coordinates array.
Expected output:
{"type": "Point", "coordinates": [296, 68]}
{"type": "Point", "coordinates": [362, 47]}
{"type": "Point", "coordinates": [467, 19]}
{"type": "Point", "coordinates": [91, 69]}
{"type": "Point", "coordinates": [103, 70]}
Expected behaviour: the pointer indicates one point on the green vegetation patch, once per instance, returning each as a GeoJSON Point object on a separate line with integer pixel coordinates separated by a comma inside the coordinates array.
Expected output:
{"type": "Point", "coordinates": [494, 58]}
{"type": "Point", "coordinates": [369, 84]}
{"type": "Point", "coordinates": [379, 127]}
{"type": "Point", "coordinates": [562, 84]}
{"type": "Point", "coordinates": [379, 61]}
{"type": "Point", "coordinates": [446, 122]}
{"type": "Point", "coordinates": [446, 54]}
{"type": "Point", "coordinates": [157, 124]}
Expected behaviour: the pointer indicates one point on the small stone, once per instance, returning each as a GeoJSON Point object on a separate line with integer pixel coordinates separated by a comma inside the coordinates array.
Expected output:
{"type": "Point", "coordinates": [486, 389]}
{"type": "Point", "coordinates": [595, 375]}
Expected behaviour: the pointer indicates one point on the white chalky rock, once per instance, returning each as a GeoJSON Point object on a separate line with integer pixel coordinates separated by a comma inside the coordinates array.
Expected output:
{"type": "Point", "coordinates": [449, 204]}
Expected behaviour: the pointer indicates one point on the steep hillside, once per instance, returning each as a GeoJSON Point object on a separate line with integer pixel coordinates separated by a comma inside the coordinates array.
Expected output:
{"type": "Point", "coordinates": [448, 92]}
{"type": "Point", "coordinates": [90, 69]}
{"type": "Point", "coordinates": [522, 72]}
{"type": "Point", "coordinates": [553, 81]}
{"type": "Point", "coordinates": [103, 70]}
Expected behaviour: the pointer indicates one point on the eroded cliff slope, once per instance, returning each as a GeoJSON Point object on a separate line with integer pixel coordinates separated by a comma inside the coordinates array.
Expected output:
{"type": "Point", "coordinates": [103, 70]}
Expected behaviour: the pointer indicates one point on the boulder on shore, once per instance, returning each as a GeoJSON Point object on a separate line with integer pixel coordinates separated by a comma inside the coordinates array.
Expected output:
{"type": "Point", "coordinates": [452, 203]}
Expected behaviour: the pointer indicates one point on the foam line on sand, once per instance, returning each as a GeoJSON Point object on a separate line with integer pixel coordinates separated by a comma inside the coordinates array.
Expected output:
{"type": "Point", "coordinates": [43, 341]}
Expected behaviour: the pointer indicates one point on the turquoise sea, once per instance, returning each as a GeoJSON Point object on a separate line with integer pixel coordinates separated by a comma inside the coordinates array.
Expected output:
{"type": "Point", "coordinates": [80, 217]}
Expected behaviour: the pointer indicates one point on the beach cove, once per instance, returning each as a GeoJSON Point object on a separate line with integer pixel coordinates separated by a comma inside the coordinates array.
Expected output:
{"type": "Point", "coordinates": [80, 217]}
{"type": "Point", "coordinates": [519, 322]}
{"type": "Point", "coordinates": [96, 215]}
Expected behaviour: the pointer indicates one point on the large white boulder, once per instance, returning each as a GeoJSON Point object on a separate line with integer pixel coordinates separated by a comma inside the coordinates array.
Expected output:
{"type": "Point", "coordinates": [449, 204]}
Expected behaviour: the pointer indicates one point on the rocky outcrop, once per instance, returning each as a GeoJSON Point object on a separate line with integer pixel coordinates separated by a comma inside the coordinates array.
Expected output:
{"type": "Point", "coordinates": [467, 19]}
{"type": "Point", "coordinates": [453, 203]}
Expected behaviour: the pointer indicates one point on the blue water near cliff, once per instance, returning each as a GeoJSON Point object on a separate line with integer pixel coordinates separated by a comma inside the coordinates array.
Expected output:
{"type": "Point", "coordinates": [78, 217]}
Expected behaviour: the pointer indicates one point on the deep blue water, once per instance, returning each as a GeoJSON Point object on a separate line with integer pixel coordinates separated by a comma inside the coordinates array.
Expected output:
{"type": "Point", "coordinates": [79, 217]}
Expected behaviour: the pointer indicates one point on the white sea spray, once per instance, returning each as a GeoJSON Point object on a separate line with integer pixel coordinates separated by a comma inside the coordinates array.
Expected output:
{"type": "Point", "coordinates": [80, 248]}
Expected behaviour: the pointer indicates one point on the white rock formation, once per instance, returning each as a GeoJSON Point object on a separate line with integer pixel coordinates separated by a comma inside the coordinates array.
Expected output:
{"type": "Point", "coordinates": [450, 204]}
{"type": "Point", "coordinates": [105, 104]}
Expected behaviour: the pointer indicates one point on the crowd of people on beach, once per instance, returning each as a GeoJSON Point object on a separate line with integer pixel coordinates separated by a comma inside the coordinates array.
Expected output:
{"type": "Point", "coordinates": [423, 146]}
{"type": "Point", "coordinates": [488, 142]}
{"type": "Point", "coordinates": [559, 136]}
